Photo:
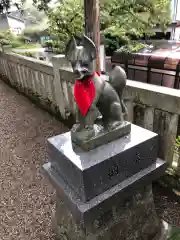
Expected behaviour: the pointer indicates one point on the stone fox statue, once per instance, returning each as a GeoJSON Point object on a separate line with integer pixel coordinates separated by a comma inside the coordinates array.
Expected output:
{"type": "Point", "coordinates": [92, 92]}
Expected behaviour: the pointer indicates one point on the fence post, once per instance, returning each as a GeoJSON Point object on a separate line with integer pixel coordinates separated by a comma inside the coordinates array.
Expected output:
{"type": "Point", "coordinates": [149, 118]}
{"type": "Point", "coordinates": [59, 62]}
{"type": "Point", "coordinates": [170, 138]}
{"type": "Point", "coordinates": [130, 107]}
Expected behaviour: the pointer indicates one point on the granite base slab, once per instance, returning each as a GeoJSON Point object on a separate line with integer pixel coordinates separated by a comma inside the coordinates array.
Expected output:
{"type": "Point", "coordinates": [135, 219]}
{"type": "Point", "coordinates": [100, 207]}
{"type": "Point", "coordinates": [91, 173]}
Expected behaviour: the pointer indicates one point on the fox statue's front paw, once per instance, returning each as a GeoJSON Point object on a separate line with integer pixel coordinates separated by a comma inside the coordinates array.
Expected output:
{"type": "Point", "coordinates": [80, 133]}
{"type": "Point", "coordinates": [113, 125]}
{"type": "Point", "coordinates": [77, 127]}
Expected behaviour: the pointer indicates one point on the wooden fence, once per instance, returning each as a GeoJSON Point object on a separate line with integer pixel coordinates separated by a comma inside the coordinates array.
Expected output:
{"type": "Point", "coordinates": [153, 107]}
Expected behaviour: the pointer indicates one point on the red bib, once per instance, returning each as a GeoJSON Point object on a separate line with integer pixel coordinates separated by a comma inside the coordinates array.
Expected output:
{"type": "Point", "coordinates": [84, 93]}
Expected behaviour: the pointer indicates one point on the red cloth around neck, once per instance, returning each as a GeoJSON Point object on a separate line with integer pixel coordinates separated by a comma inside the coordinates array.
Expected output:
{"type": "Point", "coordinates": [84, 93]}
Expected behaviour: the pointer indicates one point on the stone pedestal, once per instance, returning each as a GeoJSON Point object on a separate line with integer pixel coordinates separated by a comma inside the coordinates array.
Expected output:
{"type": "Point", "coordinates": [106, 193]}
{"type": "Point", "coordinates": [133, 218]}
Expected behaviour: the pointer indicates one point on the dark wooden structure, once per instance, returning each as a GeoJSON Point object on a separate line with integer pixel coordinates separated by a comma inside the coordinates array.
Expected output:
{"type": "Point", "coordinates": [161, 66]}
{"type": "Point", "coordinates": [92, 25]}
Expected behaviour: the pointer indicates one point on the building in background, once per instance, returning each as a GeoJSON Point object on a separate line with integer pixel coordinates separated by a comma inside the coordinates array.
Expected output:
{"type": "Point", "coordinates": [175, 10]}
{"type": "Point", "coordinates": [175, 15]}
{"type": "Point", "coordinates": [28, 19]}
{"type": "Point", "coordinates": [173, 30]}
{"type": "Point", "coordinates": [16, 21]}
{"type": "Point", "coordinates": [13, 23]}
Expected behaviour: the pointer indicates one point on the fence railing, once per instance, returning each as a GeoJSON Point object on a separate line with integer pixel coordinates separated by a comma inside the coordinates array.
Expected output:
{"type": "Point", "coordinates": [153, 107]}
{"type": "Point", "coordinates": [28, 74]}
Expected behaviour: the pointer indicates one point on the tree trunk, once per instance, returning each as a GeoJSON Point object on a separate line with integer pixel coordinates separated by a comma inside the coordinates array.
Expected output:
{"type": "Point", "coordinates": [92, 25]}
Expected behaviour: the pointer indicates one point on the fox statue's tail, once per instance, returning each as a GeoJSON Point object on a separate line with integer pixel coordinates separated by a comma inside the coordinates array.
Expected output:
{"type": "Point", "coordinates": [117, 78]}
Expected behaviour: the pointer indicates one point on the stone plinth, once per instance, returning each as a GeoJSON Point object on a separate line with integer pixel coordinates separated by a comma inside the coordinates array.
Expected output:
{"type": "Point", "coordinates": [133, 218]}
{"type": "Point", "coordinates": [105, 194]}
{"type": "Point", "coordinates": [93, 172]}
{"type": "Point", "coordinates": [87, 213]}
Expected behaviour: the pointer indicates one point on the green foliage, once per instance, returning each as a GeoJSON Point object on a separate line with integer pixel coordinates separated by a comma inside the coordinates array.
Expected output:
{"type": "Point", "coordinates": [20, 38]}
{"type": "Point", "coordinates": [66, 20]}
{"type": "Point", "coordinates": [48, 43]}
{"type": "Point", "coordinates": [178, 141]}
{"type": "Point", "coordinates": [4, 42]}
{"type": "Point", "coordinates": [120, 20]}
{"type": "Point", "coordinates": [42, 5]}
{"type": "Point", "coordinates": [28, 46]}
{"type": "Point", "coordinates": [133, 47]}
{"type": "Point", "coordinates": [134, 17]}
{"type": "Point", "coordinates": [6, 37]}
{"type": "Point", "coordinates": [112, 43]}
{"type": "Point", "coordinates": [5, 5]}
{"type": "Point", "coordinates": [15, 43]}
{"type": "Point", "coordinates": [27, 54]}
{"type": "Point", "coordinates": [33, 33]}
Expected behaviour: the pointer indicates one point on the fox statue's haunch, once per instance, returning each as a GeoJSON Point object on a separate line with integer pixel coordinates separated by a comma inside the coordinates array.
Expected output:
{"type": "Point", "coordinates": [94, 94]}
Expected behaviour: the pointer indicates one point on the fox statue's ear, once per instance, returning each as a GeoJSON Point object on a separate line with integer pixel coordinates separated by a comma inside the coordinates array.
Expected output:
{"type": "Point", "coordinates": [89, 46]}
{"type": "Point", "coordinates": [70, 49]}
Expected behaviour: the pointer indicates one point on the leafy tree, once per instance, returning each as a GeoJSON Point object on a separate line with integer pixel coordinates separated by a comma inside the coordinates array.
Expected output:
{"type": "Point", "coordinates": [33, 33]}
{"type": "Point", "coordinates": [66, 20]}
{"type": "Point", "coordinates": [3, 43]}
{"type": "Point", "coordinates": [5, 5]}
{"type": "Point", "coordinates": [48, 44]}
{"type": "Point", "coordinates": [46, 5]}
{"type": "Point", "coordinates": [119, 18]}
{"type": "Point", "coordinates": [5, 39]}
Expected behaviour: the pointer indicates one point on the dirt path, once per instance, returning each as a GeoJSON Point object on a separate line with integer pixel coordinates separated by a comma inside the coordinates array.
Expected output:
{"type": "Point", "coordinates": [26, 200]}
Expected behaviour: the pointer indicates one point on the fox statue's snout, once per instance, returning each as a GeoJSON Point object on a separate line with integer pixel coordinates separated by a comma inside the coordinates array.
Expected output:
{"type": "Point", "coordinates": [80, 70]}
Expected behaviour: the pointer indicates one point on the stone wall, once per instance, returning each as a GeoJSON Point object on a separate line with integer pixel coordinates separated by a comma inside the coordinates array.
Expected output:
{"type": "Point", "coordinates": [152, 107]}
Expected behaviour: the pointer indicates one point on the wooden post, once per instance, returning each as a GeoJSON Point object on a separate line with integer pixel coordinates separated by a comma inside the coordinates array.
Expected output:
{"type": "Point", "coordinates": [92, 25]}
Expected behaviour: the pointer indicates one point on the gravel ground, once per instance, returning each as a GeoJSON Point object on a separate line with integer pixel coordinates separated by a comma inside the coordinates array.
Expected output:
{"type": "Point", "coordinates": [167, 205]}
{"type": "Point", "coordinates": [26, 199]}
